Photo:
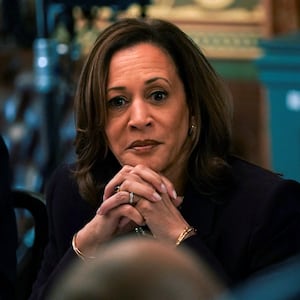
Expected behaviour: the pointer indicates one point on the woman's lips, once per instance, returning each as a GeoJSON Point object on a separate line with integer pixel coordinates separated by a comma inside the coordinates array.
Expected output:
{"type": "Point", "coordinates": [143, 145]}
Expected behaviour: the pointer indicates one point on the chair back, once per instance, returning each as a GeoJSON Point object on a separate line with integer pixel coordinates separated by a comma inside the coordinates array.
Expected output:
{"type": "Point", "coordinates": [32, 242]}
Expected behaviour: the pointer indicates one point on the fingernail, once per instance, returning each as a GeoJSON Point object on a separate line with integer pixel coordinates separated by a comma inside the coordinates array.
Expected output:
{"type": "Point", "coordinates": [99, 211]}
{"type": "Point", "coordinates": [174, 194]}
{"type": "Point", "coordinates": [156, 197]}
{"type": "Point", "coordinates": [163, 188]}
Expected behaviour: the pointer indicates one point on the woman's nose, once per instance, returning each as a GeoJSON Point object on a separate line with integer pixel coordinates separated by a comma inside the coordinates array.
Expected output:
{"type": "Point", "coordinates": [139, 114]}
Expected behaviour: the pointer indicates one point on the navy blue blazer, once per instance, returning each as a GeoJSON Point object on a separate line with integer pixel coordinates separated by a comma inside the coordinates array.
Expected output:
{"type": "Point", "coordinates": [256, 224]}
{"type": "Point", "coordinates": [8, 229]}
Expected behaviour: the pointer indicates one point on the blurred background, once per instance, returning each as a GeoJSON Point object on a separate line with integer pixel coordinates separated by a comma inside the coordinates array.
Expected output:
{"type": "Point", "coordinates": [253, 44]}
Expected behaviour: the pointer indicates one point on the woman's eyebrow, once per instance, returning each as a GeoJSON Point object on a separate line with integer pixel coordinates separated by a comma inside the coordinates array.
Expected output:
{"type": "Point", "coordinates": [155, 79]}
{"type": "Point", "coordinates": [116, 88]}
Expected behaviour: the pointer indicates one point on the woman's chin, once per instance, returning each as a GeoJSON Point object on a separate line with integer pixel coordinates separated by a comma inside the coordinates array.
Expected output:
{"type": "Point", "coordinates": [151, 164]}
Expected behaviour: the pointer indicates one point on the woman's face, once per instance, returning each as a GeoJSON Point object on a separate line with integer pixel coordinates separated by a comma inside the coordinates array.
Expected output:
{"type": "Point", "coordinates": [148, 117]}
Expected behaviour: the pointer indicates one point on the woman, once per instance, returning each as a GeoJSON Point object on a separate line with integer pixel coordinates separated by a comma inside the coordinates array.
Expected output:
{"type": "Point", "coordinates": [153, 154]}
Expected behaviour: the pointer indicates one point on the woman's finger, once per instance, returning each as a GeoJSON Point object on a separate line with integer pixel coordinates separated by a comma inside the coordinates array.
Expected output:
{"type": "Point", "coordinates": [116, 181]}
{"type": "Point", "coordinates": [126, 211]}
{"type": "Point", "coordinates": [158, 181]}
{"type": "Point", "coordinates": [140, 188]}
{"type": "Point", "coordinates": [170, 187]}
{"type": "Point", "coordinates": [119, 198]}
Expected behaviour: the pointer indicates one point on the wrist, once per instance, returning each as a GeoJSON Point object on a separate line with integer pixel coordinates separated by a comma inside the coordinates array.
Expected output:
{"type": "Point", "coordinates": [78, 252]}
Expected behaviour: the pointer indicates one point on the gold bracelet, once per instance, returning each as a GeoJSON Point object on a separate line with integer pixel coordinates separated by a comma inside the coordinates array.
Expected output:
{"type": "Point", "coordinates": [77, 251]}
{"type": "Point", "coordinates": [184, 234]}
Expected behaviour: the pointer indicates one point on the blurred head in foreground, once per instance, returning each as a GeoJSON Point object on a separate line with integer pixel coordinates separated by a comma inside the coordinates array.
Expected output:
{"type": "Point", "coordinates": [138, 268]}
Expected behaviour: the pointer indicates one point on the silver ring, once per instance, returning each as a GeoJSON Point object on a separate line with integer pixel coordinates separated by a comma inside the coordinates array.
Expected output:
{"type": "Point", "coordinates": [131, 196]}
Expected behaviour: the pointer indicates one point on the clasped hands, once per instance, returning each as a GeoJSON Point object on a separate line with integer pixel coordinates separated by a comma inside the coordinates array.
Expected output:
{"type": "Point", "coordinates": [155, 204]}
{"type": "Point", "coordinates": [143, 197]}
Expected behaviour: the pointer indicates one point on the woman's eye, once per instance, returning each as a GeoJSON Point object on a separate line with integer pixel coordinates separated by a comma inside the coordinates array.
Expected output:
{"type": "Point", "coordinates": [158, 96]}
{"type": "Point", "coordinates": [117, 102]}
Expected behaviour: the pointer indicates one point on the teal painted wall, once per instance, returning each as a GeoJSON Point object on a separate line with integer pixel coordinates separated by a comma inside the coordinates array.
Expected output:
{"type": "Point", "coordinates": [279, 71]}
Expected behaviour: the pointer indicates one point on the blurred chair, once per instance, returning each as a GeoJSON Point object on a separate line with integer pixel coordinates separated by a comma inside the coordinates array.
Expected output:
{"type": "Point", "coordinates": [8, 228]}
{"type": "Point", "coordinates": [32, 242]}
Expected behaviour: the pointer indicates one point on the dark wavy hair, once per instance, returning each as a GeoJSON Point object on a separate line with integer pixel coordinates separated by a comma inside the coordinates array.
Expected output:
{"type": "Point", "coordinates": [207, 98]}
